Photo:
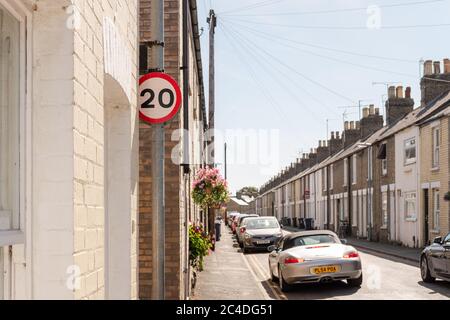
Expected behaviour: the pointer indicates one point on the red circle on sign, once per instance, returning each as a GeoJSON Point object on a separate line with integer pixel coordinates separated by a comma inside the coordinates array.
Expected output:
{"type": "Point", "coordinates": [177, 106]}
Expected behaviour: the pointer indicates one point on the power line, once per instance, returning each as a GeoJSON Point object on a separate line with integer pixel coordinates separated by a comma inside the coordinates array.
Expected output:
{"type": "Point", "coordinates": [252, 6]}
{"type": "Point", "coordinates": [299, 73]}
{"type": "Point", "coordinates": [275, 75]}
{"type": "Point", "coordinates": [335, 10]}
{"type": "Point", "coordinates": [339, 60]}
{"type": "Point", "coordinates": [338, 27]}
{"type": "Point", "coordinates": [326, 48]}
{"type": "Point", "coordinates": [284, 74]}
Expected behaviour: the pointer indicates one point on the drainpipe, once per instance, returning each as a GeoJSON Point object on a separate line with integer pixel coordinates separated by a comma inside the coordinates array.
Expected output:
{"type": "Point", "coordinates": [185, 163]}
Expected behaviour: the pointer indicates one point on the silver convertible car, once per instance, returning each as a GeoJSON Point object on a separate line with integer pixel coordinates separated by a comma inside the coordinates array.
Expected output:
{"type": "Point", "coordinates": [435, 260]}
{"type": "Point", "coordinates": [314, 256]}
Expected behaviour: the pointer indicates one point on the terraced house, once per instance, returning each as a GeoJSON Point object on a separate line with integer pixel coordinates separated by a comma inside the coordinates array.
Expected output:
{"type": "Point", "coordinates": [379, 181]}
{"type": "Point", "coordinates": [68, 149]}
{"type": "Point", "coordinates": [184, 147]}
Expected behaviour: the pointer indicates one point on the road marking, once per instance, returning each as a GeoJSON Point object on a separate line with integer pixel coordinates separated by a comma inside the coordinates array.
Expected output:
{"type": "Point", "coordinates": [266, 279]}
{"type": "Point", "coordinates": [260, 286]}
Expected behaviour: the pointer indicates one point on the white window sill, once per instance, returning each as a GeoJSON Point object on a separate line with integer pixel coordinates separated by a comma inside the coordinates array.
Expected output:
{"type": "Point", "coordinates": [434, 169]}
{"type": "Point", "coordinates": [9, 238]}
{"type": "Point", "coordinates": [383, 227]}
{"type": "Point", "coordinates": [435, 231]}
{"type": "Point", "coordinates": [411, 219]}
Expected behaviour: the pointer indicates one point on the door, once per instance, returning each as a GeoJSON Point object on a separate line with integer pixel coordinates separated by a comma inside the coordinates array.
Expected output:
{"type": "Point", "coordinates": [426, 207]}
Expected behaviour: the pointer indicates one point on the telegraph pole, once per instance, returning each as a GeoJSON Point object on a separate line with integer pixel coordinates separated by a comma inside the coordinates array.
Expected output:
{"type": "Point", "coordinates": [212, 102]}
{"type": "Point", "coordinates": [212, 89]}
{"type": "Point", "coordinates": [158, 192]}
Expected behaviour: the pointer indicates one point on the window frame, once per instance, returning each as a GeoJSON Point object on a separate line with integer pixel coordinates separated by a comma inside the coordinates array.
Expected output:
{"type": "Point", "coordinates": [407, 199]}
{"type": "Point", "coordinates": [354, 169]}
{"type": "Point", "coordinates": [345, 172]}
{"type": "Point", "coordinates": [384, 209]}
{"type": "Point", "coordinates": [331, 176]}
{"type": "Point", "coordinates": [436, 209]}
{"type": "Point", "coordinates": [435, 161]}
{"type": "Point", "coordinates": [24, 17]}
{"type": "Point", "coordinates": [408, 161]}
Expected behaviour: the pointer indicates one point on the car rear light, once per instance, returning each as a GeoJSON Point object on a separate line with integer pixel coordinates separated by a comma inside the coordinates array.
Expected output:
{"type": "Point", "coordinates": [351, 255]}
{"type": "Point", "coordinates": [292, 260]}
{"type": "Point", "coordinates": [243, 230]}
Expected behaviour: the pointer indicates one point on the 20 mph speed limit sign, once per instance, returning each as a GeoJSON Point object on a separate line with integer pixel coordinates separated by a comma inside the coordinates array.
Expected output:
{"type": "Point", "coordinates": [159, 97]}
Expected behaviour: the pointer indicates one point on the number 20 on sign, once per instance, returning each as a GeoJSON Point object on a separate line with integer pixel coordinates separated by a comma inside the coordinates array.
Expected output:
{"type": "Point", "coordinates": [159, 98]}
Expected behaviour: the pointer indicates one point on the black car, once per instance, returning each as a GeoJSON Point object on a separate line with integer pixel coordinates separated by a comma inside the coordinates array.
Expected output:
{"type": "Point", "coordinates": [435, 260]}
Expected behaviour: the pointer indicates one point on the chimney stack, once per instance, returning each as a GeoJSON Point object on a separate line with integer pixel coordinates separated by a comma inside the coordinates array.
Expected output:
{"type": "Point", "coordinates": [365, 112]}
{"type": "Point", "coordinates": [371, 123]}
{"type": "Point", "coordinates": [391, 92]}
{"type": "Point", "coordinates": [430, 85]}
{"type": "Point", "coordinates": [322, 151]}
{"type": "Point", "coordinates": [334, 144]}
{"type": "Point", "coordinates": [351, 134]}
{"type": "Point", "coordinates": [399, 106]}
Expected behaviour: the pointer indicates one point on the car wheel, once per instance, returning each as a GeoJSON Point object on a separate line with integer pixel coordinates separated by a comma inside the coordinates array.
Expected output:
{"type": "Point", "coordinates": [355, 282]}
{"type": "Point", "coordinates": [284, 286]}
{"type": "Point", "coordinates": [425, 271]}
{"type": "Point", "coordinates": [241, 244]}
{"type": "Point", "coordinates": [244, 249]}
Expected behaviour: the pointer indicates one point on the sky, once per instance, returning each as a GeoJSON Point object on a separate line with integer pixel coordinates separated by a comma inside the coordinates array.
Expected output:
{"type": "Point", "coordinates": [283, 67]}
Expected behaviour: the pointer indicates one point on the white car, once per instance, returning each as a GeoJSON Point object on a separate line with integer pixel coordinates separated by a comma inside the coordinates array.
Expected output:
{"type": "Point", "coordinates": [312, 257]}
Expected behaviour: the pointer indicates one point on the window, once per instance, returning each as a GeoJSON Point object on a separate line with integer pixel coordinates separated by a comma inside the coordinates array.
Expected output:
{"type": "Point", "coordinates": [384, 209]}
{"type": "Point", "coordinates": [354, 171]}
{"type": "Point", "coordinates": [384, 169]}
{"type": "Point", "coordinates": [354, 210]}
{"type": "Point", "coordinates": [410, 151]}
{"type": "Point", "coordinates": [345, 172]}
{"type": "Point", "coordinates": [410, 206]}
{"type": "Point", "coordinates": [447, 240]}
{"type": "Point", "coordinates": [436, 209]}
{"type": "Point", "coordinates": [382, 155]}
{"type": "Point", "coordinates": [436, 147]}
{"type": "Point", "coordinates": [10, 90]}
{"type": "Point", "coordinates": [331, 176]}
{"type": "Point", "coordinates": [324, 179]}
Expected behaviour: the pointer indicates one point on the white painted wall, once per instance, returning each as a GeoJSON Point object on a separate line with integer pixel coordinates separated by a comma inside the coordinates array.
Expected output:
{"type": "Point", "coordinates": [407, 180]}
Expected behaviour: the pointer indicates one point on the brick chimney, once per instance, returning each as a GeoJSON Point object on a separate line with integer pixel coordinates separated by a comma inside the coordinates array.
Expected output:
{"type": "Point", "coordinates": [313, 157]}
{"type": "Point", "coordinates": [398, 104]}
{"type": "Point", "coordinates": [322, 151]}
{"type": "Point", "coordinates": [371, 122]}
{"type": "Point", "coordinates": [335, 143]}
{"type": "Point", "coordinates": [305, 162]}
{"type": "Point", "coordinates": [351, 134]}
{"type": "Point", "coordinates": [430, 85]}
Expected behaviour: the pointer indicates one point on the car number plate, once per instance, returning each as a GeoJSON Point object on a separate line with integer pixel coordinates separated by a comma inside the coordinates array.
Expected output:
{"type": "Point", "coordinates": [325, 269]}
{"type": "Point", "coordinates": [263, 242]}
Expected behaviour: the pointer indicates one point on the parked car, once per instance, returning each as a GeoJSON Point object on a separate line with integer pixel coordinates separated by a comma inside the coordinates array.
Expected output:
{"type": "Point", "coordinates": [259, 233]}
{"type": "Point", "coordinates": [230, 217]}
{"type": "Point", "coordinates": [241, 227]}
{"type": "Point", "coordinates": [435, 260]}
{"type": "Point", "coordinates": [312, 257]}
{"type": "Point", "coordinates": [234, 223]}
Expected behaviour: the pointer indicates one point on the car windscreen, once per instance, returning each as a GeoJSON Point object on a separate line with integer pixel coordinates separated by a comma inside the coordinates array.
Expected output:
{"type": "Point", "coordinates": [261, 224]}
{"type": "Point", "coordinates": [309, 241]}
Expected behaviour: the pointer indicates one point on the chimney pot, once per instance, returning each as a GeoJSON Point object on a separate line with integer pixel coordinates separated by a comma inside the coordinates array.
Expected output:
{"type": "Point", "coordinates": [408, 93]}
{"type": "Point", "coordinates": [372, 109]}
{"type": "Point", "coordinates": [332, 135]}
{"type": "Point", "coordinates": [365, 112]}
{"type": "Point", "coordinates": [437, 67]}
{"type": "Point", "coordinates": [357, 125]}
{"type": "Point", "coordinates": [428, 68]}
{"type": "Point", "coordinates": [446, 65]}
{"type": "Point", "coordinates": [346, 125]}
{"type": "Point", "coordinates": [320, 143]}
{"type": "Point", "coordinates": [377, 111]}
{"type": "Point", "coordinates": [337, 135]}
{"type": "Point", "coordinates": [352, 125]}
{"type": "Point", "coordinates": [399, 92]}
{"type": "Point", "coordinates": [391, 92]}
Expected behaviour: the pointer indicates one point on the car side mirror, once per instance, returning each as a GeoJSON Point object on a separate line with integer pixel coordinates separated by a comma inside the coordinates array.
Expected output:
{"type": "Point", "coordinates": [438, 240]}
{"type": "Point", "coordinates": [281, 226]}
{"type": "Point", "coordinates": [272, 248]}
{"type": "Point", "coordinates": [344, 241]}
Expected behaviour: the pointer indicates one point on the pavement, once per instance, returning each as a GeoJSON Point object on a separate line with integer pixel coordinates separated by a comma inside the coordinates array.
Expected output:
{"type": "Point", "coordinates": [409, 254]}
{"type": "Point", "coordinates": [227, 274]}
